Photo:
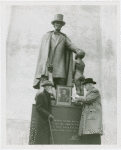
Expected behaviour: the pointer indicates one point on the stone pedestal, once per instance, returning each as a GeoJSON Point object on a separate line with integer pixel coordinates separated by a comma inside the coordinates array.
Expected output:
{"type": "Point", "coordinates": [64, 127]}
{"type": "Point", "coordinates": [66, 124]}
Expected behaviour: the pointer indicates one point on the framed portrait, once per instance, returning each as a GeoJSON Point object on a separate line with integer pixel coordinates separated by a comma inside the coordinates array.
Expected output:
{"type": "Point", "coordinates": [63, 95]}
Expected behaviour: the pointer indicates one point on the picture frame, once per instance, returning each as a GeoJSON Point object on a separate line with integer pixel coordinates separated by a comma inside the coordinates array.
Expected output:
{"type": "Point", "coordinates": [63, 96]}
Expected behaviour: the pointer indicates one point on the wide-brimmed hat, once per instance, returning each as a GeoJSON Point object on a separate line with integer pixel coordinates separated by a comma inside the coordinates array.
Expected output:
{"type": "Point", "coordinates": [46, 83]}
{"type": "Point", "coordinates": [58, 17]}
{"type": "Point", "coordinates": [89, 80]}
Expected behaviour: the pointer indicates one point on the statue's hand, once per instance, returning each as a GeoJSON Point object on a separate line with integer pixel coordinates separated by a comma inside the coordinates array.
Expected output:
{"type": "Point", "coordinates": [73, 81]}
{"type": "Point", "coordinates": [50, 68]}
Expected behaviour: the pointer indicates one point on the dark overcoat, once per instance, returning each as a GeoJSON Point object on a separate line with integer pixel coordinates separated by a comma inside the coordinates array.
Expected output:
{"type": "Point", "coordinates": [41, 133]}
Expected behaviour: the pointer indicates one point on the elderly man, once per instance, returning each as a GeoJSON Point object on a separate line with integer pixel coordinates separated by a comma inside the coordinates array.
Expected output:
{"type": "Point", "coordinates": [91, 120]}
{"type": "Point", "coordinates": [55, 54]}
{"type": "Point", "coordinates": [43, 107]}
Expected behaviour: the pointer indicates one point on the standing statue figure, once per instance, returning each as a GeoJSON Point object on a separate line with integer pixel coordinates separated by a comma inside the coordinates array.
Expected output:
{"type": "Point", "coordinates": [78, 73]}
{"type": "Point", "coordinates": [55, 60]}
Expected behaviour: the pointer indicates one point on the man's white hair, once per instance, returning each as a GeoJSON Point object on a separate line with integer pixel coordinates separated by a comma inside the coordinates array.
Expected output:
{"type": "Point", "coordinates": [91, 84]}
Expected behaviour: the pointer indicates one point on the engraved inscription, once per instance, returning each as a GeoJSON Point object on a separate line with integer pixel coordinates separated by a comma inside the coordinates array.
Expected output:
{"type": "Point", "coordinates": [65, 125]}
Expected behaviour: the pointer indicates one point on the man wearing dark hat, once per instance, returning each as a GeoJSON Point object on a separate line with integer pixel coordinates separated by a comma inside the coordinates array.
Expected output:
{"type": "Point", "coordinates": [43, 107]}
{"type": "Point", "coordinates": [90, 127]}
{"type": "Point", "coordinates": [55, 54]}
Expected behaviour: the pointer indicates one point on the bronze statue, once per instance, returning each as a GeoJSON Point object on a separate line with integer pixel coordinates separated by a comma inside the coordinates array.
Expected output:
{"type": "Point", "coordinates": [55, 56]}
{"type": "Point", "coordinates": [78, 73]}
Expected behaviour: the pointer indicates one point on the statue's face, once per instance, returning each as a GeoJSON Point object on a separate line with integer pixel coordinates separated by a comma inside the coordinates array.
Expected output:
{"type": "Point", "coordinates": [58, 25]}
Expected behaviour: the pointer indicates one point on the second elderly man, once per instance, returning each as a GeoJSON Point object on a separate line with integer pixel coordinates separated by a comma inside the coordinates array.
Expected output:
{"type": "Point", "coordinates": [90, 128]}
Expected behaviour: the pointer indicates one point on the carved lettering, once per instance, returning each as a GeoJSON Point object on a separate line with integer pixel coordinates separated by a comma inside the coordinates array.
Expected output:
{"type": "Point", "coordinates": [65, 125]}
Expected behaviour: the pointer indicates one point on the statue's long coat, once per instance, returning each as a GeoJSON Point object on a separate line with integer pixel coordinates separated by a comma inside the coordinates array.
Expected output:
{"type": "Point", "coordinates": [43, 58]}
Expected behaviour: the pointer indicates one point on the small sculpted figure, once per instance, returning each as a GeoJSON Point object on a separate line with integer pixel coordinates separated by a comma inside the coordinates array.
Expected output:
{"type": "Point", "coordinates": [78, 73]}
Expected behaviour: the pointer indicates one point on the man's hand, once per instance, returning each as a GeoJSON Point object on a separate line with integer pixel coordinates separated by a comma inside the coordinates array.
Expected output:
{"type": "Point", "coordinates": [75, 100]}
{"type": "Point", "coordinates": [81, 99]}
{"type": "Point", "coordinates": [50, 118]}
{"type": "Point", "coordinates": [50, 68]}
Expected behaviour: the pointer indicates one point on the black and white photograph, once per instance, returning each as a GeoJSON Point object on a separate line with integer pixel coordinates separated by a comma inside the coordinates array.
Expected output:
{"type": "Point", "coordinates": [59, 73]}
{"type": "Point", "coordinates": [63, 95]}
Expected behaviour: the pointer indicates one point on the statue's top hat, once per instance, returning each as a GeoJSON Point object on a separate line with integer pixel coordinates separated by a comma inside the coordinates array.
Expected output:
{"type": "Point", "coordinates": [58, 17]}
{"type": "Point", "coordinates": [89, 80]}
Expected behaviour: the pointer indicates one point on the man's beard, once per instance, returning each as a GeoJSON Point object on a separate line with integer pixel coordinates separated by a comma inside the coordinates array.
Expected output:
{"type": "Point", "coordinates": [49, 91]}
